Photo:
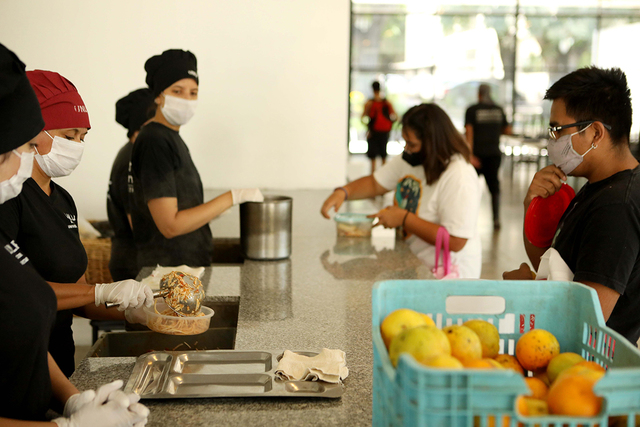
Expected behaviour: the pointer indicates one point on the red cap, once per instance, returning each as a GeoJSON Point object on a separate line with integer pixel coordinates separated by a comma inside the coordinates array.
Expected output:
{"type": "Point", "coordinates": [61, 104]}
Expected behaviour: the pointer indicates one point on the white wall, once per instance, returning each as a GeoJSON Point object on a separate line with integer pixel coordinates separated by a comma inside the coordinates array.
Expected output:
{"type": "Point", "coordinates": [272, 109]}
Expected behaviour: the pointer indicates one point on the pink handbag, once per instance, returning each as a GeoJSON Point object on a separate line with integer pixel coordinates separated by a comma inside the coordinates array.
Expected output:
{"type": "Point", "coordinates": [447, 270]}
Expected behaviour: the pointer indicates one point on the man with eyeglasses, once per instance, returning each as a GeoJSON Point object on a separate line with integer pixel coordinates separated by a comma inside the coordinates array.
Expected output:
{"type": "Point", "coordinates": [598, 236]}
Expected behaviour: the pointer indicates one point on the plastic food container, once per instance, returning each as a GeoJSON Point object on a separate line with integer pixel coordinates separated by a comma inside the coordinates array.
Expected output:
{"type": "Point", "coordinates": [177, 325]}
{"type": "Point", "coordinates": [415, 395]}
{"type": "Point", "coordinates": [353, 224]}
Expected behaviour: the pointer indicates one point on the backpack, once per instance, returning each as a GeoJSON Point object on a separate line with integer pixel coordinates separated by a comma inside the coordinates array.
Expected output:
{"type": "Point", "coordinates": [380, 116]}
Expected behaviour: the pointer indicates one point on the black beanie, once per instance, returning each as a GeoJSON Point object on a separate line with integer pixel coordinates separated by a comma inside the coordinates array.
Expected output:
{"type": "Point", "coordinates": [19, 107]}
{"type": "Point", "coordinates": [166, 69]}
{"type": "Point", "coordinates": [135, 109]}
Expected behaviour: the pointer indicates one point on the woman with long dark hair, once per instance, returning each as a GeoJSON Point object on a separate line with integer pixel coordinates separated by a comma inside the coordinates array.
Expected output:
{"type": "Point", "coordinates": [435, 186]}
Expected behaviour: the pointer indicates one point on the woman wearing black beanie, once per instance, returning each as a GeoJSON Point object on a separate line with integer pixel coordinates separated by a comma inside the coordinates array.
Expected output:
{"type": "Point", "coordinates": [170, 219]}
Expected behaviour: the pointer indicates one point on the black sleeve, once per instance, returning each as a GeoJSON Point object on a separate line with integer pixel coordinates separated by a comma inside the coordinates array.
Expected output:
{"type": "Point", "coordinates": [155, 166]}
{"type": "Point", "coordinates": [10, 218]}
{"type": "Point", "coordinates": [609, 247]}
{"type": "Point", "coordinates": [469, 117]}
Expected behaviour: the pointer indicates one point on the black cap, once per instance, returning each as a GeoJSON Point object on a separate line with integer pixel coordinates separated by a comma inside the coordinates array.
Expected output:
{"type": "Point", "coordinates": [166, 69]}
{"type": "Point", "coordinates": [133, 110]}
{"type": "Point", "coordinates": [19, 108]}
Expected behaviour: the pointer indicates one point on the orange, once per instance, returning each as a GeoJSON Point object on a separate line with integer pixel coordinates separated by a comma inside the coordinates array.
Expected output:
{"type": "Point", "coordinates": [538, 388]}
{"type": "Point", "coordinates": [428, 320]}
{"type": "Point", "coordinates": [572, 394]}
{"type": "Point", "coordinates": [543, 376]}
{"type": "Point", "coordinates": [421, 342]}
{"type": "Point", "coordinates": [536, 348]}
{"type": "Point", "coordinates": [465, 344]}
{"type": "Point", "coordinates": [442, 361]}
{"type": "Point", "coordinates": [591, 365]}
{"type": "Point", "coordinates": [561, 362]}
{"type": "Point", "coordinates": [531, 407]}
{"type": "Point", "coordinates": [488, 334]}
{"type": "Point", "coordinates": [482, 364]}
{"type": "Point", "coordinates": [509, 362]}
{"type": "Point", "coordinates": [398, 321]}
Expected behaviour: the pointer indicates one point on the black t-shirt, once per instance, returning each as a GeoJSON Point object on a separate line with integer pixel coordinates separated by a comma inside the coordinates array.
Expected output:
{"type": "Point", "coordinates": [27, 313]}
{"type": "Point", "coordinates": [161, 166]}
{"type": "Point", "coordinates": [45, 229]}
{"type": "Point", "coordinates": [599, 239]}
{"type": "Point", "coordinates": [488, 121]}
{"type": "Point", "coordinates": [122, 264]}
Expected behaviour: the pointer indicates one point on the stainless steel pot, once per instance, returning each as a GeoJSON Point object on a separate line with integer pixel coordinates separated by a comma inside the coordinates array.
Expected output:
{"type": "Point", "coordinates": [265, 228]}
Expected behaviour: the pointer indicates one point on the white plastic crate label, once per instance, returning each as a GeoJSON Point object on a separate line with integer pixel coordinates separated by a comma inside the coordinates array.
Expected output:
{"type": "Point", "coordinates": [475, 304]}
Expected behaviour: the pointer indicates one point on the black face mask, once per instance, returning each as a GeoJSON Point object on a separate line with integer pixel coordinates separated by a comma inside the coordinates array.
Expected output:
{"type": "Point", "coordinates": [414, 159]}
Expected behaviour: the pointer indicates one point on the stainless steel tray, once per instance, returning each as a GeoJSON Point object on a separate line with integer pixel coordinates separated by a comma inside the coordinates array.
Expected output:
{"type": "Point", "coordinates": [219, 373]}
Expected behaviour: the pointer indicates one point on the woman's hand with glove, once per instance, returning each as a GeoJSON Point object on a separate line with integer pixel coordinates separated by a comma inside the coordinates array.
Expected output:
{"type": "Point", "coordinates": [126, 293]}
{"type": "Point", "coordinates": [242, 195]}
{"type": "Point", "coordinates": [108, 406]}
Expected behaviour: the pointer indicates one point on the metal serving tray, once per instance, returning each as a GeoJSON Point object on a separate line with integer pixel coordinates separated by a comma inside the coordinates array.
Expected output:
{"type": "Point", "coordinates": [219, 373]}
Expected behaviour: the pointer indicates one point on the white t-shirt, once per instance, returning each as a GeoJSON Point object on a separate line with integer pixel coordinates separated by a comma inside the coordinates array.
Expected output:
{"type": "Point", "coordinates": [453, 201]}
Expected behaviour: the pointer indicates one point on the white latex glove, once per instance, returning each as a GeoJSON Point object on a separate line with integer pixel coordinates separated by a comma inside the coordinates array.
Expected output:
{"type": "Point", "coordinates": [136, 315]}
{"type": "Point", "coordinates": [111, 414]}
{"type": "Point", "coordinates": [77, 401]}
{"type": "Point", "coordinates": [241, 195]}
{"type": "Point", "coordinates": [110, 406]}
{"type": "Point", "coordinates": [126, 293]}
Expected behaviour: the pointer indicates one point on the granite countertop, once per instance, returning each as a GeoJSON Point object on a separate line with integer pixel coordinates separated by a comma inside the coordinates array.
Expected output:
{"type": "Point", "coordinates": [319, 297]}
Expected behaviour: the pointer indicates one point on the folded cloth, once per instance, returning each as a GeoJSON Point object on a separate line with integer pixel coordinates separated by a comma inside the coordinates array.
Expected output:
{"type": "Point", "coordinates": [329, 366]}
{"type": "Point", "coordinates": [553, 267]}
{"type": "Point", "coordinates": [153, 280]}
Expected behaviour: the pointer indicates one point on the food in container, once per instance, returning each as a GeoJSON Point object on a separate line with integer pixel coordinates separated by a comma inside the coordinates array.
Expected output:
{"type": "Point", "coordinates": [160, 318]}
{"type": "Point", "coordinates": [353, 224]}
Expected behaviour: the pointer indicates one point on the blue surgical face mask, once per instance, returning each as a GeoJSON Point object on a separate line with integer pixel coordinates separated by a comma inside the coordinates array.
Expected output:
{"type": "Point", "coordinates": [562, 154]}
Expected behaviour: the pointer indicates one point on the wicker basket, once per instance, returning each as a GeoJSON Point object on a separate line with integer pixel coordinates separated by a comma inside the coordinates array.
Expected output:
{"type": "Point", "coordinates": [98, 254]}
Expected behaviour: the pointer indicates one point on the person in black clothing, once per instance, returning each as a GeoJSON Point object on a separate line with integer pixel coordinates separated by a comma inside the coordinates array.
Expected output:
{"type": "Point", "coordinates": [169, 217]}
{"type": "Point", "coordinates": [381, 115]}
{"type": "Point", "coordinates": [599, 234]}
{"type": "Point", "coordinates": [132, 111]}
{"type": "Point", "coordinates": [41, 221]}
{"type": "Point", "coordinates": [32, 381]}
{"type": "Point", "coordinates": [484, 122]}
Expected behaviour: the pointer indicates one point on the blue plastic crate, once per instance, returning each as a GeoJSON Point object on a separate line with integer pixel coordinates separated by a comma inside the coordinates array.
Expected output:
{"type": "Point", "coordinates": [415, 395]}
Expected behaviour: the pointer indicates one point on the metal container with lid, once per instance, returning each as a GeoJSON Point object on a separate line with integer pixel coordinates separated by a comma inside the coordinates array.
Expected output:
{"type": "Point", "coordinates": [265, 228]}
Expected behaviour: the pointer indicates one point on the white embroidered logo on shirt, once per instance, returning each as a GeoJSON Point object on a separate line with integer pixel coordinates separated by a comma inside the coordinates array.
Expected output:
{"type": "Point", "coordinates": [72, 220]}
{"type": "Point", "coordinates": [13, 249]}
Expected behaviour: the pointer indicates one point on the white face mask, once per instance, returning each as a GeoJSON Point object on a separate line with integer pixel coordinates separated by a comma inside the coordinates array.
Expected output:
{"type": "Point", "coordinates": [63, 158]}
{"type": "Point", "coordinates": [178, 111]}
{"type": "Point", "coordinates": [12, 186]}
{"type": "Point", "coordinates": [562, 154]}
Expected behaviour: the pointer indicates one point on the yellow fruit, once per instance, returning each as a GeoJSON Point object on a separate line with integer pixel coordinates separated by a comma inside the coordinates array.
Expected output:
{"type": "Point", "coordinates": [562, 362]}
{"type": "Point", "coordinates": [428, 320]}
{"type": "Point", "coordinates": [482, 364]}
{"type": "Point", "coordinates": [536, 348]}
{"type": "Point", "coordinates": [531, 407]}
{"type": "Point", "coordinates": [443, 361]}
{"type": "Point", "coordinates": [399, 320]}
{"type": "Point", "coordinates": [488, 334]}
{"type": "Point", "coordinates": [509, 362]}
{"type": "Point", "coordinates": [538, 388]}
{"type": "Point", "coordinates": [465, 344]}
{"type": "Point", "coordinates": [542, 375]}
{"type": "Point", "coordinates": [572, 393]}
{"type": "Point", "coordinates": [421, 342]}
{"type": "Point", "coordinates": [591, 365]}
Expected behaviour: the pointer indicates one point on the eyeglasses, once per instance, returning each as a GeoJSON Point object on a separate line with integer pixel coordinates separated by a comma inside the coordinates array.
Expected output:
{"type": "Point", "coordinates": [553, 130]}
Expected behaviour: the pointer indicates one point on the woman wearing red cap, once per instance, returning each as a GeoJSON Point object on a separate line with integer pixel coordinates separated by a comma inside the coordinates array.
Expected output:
{"type": "Point", "coordinates": [170, 219]}
{"type": "Point", "coordinates": [32, 380]}
{"type": "Point", "coordinates": [42, 221]}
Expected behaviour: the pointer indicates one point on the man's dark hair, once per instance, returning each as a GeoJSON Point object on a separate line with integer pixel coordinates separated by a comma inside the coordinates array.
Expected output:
{"type": "Point", "coordinates": [593, 93]}
{"type": "Point", "coordinates": [376, 86]}
{"type": "Point", "coordinates": [439, 137]}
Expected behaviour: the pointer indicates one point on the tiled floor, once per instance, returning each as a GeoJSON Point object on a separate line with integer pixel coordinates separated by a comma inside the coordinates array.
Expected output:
{"type": "Point", "coordinates": [502, 250]}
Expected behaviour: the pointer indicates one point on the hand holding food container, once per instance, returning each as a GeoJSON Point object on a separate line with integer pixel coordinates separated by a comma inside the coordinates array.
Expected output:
{"type": "Point", "coordinates": [126, 293]}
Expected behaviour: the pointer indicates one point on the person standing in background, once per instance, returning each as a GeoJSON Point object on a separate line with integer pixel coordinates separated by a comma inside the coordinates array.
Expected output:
{"type": "Point", "coordinates": [484, 122]}
{"type": "Point", "coordinates": [381, 117]}
{"type": "Point", "coordinates": [132, 111]}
